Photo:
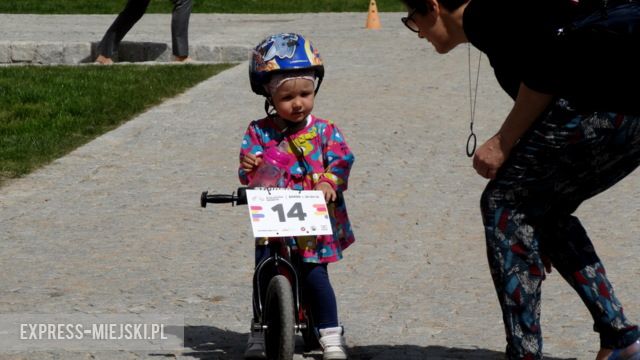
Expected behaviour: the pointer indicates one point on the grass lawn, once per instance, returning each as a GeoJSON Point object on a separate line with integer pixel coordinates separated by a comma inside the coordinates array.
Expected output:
{"type": "Point", "coordinates": [200, 6]}
{"type": "Point", "coordinates": [45, 112]}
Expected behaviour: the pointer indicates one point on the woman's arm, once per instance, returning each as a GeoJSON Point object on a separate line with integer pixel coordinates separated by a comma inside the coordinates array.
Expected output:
{"type": "Point", "coordinates": [527, 108]}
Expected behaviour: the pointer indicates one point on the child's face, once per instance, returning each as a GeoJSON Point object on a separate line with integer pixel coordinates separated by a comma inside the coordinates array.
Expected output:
{"type": "Point", "coordinates": [293, 100]}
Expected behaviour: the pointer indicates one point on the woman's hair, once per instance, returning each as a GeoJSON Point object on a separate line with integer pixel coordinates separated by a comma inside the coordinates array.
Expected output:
{"type": "Point", "coordinates": [422, 7]}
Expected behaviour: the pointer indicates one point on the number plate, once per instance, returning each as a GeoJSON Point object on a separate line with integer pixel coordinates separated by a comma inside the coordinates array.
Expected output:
{"type": "Point", "coordinates": [284, 212]}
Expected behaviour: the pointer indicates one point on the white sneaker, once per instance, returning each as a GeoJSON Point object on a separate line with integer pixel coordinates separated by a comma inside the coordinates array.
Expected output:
{"type": "Point", "coordinates": [255, 346]}
{"type": "Point", "coordinates": [333, 344]}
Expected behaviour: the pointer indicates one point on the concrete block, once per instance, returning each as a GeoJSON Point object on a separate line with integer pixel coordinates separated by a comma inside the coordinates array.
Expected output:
{"type": "Point", "coordinates": [23, 51]}
{"type": "Point", "coordinates": [77, 53]}
{"type": "Point", "coordinates": [206, 53]}
{"type": "Point", "coordinates": [157, 52]}
{"type": "Point", "coordinates": [235, 54]}
{"type": "Point", "coordinates": [5, 53]}
{"type": "Point", "coordinates": [131, 52]}
{"type": "Point", "coordinates": [49, 53]}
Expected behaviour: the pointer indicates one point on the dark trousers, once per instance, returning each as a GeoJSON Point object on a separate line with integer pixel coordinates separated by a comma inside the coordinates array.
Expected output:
{"type": "Point", "coordinates": [564, 159]}
{"type": "Point", "coordinates": [133, 12]}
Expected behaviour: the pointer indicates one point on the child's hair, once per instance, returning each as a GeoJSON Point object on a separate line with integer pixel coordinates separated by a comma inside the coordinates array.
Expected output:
{"type": "Point", "coordinates": [283, 53]}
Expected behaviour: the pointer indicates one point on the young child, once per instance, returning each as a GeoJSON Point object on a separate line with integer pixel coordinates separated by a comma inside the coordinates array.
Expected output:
{"type": "Point", "coordinates": [287, 70]}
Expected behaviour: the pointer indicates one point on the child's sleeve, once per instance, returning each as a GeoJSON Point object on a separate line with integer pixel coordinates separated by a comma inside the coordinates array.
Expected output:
{"type": "Point", "coordinates": [337, 157]}
{"type": "Point", "coordinates": [250, 145]}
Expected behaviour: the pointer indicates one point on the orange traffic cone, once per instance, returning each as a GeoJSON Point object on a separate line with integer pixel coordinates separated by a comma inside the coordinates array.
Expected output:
{"type": "Point", "coordinates": [373, 21]}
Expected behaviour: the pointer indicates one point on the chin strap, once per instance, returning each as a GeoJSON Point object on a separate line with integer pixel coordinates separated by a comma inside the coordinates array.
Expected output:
{"type": "Point", "coordinates": [318, 85]}
{"type": "Point", "coordinates": [268, 107]}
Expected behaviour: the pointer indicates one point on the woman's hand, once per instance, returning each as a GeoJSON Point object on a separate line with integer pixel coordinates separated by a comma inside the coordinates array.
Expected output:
{"type": "Point", "coordinates": [490, 156]}
{"type": "Point", "coordinates": [327, 190]}
{"type": "Point", "coordinates": [250, 162]}
{"type": "Point", "coordinates": [529, 105]}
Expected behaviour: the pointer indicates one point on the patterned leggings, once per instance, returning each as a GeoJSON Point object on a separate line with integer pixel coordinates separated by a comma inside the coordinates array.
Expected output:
{"type": "Point", "coordinates": [564, 159]}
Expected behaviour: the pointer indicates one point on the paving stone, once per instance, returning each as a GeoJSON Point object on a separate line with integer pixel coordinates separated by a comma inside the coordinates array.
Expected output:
{"type": "Point", "coordinates": [77, 53]}
{"type": "Point", "coordinates": [207, 53]}
{"type": "Point", "coordinates": [5, 53]}
{"type": "Point", "coordinates": [23, 51]}
{"type": "Point", "coordinates": [235, 54]}
{"type": "Point", "coordinates": [157, 52]}
{"type": "Point", "coordinates": [49, 53]}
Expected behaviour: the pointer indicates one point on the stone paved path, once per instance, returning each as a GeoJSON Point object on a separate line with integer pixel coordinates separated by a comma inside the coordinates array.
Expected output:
{"type": "Point", "coordinates": [115, 226]}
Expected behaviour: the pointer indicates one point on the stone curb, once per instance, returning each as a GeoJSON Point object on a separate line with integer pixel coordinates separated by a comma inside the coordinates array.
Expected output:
{"type": "Point", "coordinates": [56, 53]}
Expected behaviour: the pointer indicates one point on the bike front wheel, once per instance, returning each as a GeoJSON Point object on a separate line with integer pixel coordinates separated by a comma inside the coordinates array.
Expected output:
{"type": "Point", "coordinates": [279, 318]}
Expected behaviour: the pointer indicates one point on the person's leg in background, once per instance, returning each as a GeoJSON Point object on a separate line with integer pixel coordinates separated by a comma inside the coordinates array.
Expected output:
{"type": "Point", "coordinates": [132, 12]}
{"type": "Point", "coordinates": [180, 29]}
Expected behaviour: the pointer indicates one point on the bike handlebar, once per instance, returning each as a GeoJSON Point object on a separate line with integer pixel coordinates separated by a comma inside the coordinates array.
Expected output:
{"type": "Point", "coordinates": [239, 198]}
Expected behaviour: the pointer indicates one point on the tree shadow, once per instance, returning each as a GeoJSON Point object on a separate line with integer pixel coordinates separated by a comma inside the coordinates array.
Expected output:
{"type": "Point", "coordinates": [212, 343]}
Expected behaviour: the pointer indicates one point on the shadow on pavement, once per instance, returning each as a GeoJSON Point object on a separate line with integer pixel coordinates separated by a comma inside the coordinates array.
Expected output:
{"type": "Point", "coordinates": [415, 352]}
{"type": "Point", "coordinates": [130, 51]}
{"type": "Point", "coordinates": [209, 342]}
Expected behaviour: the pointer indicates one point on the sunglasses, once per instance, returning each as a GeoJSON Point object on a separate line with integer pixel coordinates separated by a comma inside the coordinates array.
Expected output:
{"type": "Point", "coordinates": [410, 23]}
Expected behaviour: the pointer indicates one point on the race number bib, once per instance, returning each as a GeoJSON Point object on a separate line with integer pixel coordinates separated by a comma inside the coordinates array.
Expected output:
{"type": "Point", "coordinates": [284, 212]}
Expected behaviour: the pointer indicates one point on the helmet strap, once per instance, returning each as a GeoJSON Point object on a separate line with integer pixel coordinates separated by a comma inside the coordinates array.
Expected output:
{"type": "Point", "coordinates": [268, 106]}
{"type": "Point", "coordinates": [318, 85]}
{"type": "Point", "coordinates": [271, 112]}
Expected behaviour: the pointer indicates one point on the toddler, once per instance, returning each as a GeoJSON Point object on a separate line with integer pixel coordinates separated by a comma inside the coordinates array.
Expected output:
{"type": "Point", "coordinates": [287, 70]}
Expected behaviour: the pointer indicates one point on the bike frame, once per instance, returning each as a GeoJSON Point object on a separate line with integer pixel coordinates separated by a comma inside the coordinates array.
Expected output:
{"type": "Point", "coordinates": [280, 262]}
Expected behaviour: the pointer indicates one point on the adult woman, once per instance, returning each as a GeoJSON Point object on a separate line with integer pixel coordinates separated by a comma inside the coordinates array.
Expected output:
{"type": "Point", "coordinates": [573, 132]}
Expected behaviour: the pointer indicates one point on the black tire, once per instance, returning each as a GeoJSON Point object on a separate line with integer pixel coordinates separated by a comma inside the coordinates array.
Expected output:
{"type": "Point", "coordinates": [280, 320]}
{"type": "Point", "coordinates": [309, 334]}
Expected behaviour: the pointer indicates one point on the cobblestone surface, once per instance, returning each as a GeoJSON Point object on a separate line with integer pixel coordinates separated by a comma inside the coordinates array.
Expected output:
{"type": "Point", "coordinates": [116, 227]}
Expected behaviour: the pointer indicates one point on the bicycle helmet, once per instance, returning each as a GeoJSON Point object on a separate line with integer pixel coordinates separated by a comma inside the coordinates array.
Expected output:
{"type": "Point", "coordinates": [281, 53]}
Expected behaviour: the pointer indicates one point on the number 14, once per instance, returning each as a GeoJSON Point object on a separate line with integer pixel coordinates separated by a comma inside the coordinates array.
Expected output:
{"type": "Point", "coordinates": [295, 212]}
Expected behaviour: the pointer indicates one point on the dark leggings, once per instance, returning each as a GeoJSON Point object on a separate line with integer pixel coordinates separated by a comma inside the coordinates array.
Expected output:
{"type": "Point", "coordinates": [564, 159]}
{"type": "Point", "coordinates": [133, 12]}
{"type": "Point", "coordinates": [316, 286]}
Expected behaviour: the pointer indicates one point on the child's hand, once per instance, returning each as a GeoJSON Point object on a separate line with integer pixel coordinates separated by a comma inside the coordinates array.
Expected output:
{"type": "Point", "coordinates": [327, 190]}
{"type": "Point", "coordinates": [250, 162]}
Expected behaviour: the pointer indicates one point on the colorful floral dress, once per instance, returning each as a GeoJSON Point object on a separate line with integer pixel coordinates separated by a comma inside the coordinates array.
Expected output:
{"type": "Point", "coordinates": [321, 155]}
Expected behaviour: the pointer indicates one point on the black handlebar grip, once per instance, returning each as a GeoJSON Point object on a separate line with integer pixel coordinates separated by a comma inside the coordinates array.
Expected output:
{"type": "Point", "coordinates": [220, 199]}
{"type": "Point", "coordinates": [242, 196]}
{"type": "Point", "coordinates": [215, 199]}
{"type": "Point", "coordinates": [203, 199]}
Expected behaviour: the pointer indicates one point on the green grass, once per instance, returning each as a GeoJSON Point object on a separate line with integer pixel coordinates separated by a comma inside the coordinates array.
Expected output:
{"type": "Point", "coordinates": [45, 112]}
{"type": "Point", "coordinates": [200, 6]}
